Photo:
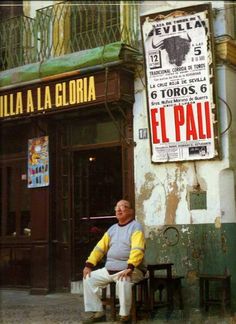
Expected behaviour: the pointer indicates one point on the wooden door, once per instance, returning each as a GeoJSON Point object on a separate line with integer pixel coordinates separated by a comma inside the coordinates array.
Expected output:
{"type": "Point", "coordinates": [15, 225]}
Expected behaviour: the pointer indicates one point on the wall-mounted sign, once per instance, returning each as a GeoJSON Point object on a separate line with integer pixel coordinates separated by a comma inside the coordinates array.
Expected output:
{"type": "Point", "coordinates": [143, 133]}
{"type": "Point", "coordinates": [45, 98]}
{"type": "Point", "coordinates": [38, 162]}
{"type": "Point", "coordinates": [60, 95]}
{"type": "Point", "coordinates": [180, 84]}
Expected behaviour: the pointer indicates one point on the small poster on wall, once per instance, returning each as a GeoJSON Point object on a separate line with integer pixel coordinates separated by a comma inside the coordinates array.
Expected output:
{"type": "Point", "coordinates": [38, 162]}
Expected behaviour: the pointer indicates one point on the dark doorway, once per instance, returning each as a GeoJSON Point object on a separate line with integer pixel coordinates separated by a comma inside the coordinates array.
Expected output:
{"type": "Point", "coordinates": [97, 185]}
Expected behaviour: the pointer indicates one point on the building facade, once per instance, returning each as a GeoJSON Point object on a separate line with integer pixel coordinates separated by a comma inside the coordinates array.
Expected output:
{"type": "Point", "coordinates": [75, 135]}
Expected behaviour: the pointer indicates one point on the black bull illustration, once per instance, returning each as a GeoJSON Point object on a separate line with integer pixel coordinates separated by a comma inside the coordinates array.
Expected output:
{"type": "Point", "coordinates": [176, 47]}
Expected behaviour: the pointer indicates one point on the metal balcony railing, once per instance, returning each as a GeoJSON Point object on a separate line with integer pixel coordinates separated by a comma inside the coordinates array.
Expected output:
{"type": "Point", "coordinates": [74, 26]}
{"type": "Point", "coordinates": [17, 42]}
{"type": "Point", "coordinates": [67, 27]}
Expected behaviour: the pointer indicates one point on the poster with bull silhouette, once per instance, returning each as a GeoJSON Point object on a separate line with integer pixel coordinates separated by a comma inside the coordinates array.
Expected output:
{"type": "Point", "coordinates": [179, 75]}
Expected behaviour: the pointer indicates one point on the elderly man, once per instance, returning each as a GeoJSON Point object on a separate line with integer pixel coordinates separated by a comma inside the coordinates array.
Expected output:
{"type": "Point", "coordinates": [124, 245]}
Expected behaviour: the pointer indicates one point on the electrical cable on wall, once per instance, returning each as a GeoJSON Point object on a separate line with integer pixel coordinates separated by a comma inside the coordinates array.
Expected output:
{"type": "Point", "coordinates": [197, 186]}
{"type": "Point", "coordinates": [230, 116]}
{"type": "Point", "coordinates": [222, 37]}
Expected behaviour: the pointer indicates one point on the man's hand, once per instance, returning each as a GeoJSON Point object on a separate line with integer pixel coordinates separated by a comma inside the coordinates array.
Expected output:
{"type": "Point", "coordinates": [86, 272]}
{"type": "Point", "coordinates": [125, 274]}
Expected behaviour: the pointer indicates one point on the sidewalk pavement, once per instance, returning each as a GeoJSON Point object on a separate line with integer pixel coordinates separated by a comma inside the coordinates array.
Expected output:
{"type": "Point", "coordinates": [19, 307]}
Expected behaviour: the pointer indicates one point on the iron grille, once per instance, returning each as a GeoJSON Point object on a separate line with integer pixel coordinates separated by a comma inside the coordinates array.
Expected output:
{"type": "Point", "coordinates": [68, 27]}
{"type": "Point", "coordinates": [17, 42]}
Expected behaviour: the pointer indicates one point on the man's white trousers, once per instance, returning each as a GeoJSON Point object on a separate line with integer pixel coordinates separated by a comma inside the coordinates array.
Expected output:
{"type": "Point", "coordinates": [100, 279]}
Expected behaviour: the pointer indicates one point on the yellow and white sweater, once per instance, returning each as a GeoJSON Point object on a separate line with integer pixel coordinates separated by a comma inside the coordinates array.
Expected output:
{"type": "Point", "coordinates": [123, 245]}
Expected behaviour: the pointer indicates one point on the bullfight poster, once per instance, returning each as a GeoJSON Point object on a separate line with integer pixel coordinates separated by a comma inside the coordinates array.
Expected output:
{"type": "Point", "coordinates": [180, 84]}
{"type": "Point", "coordinates": [38, 162]}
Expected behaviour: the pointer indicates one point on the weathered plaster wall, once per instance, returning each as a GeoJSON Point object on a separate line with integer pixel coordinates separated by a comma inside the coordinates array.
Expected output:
{"type": "Point", "coordinates": [194, 240]}
{"type": "Point", "coordinates": [162, 190]}
{"type": "Point", "coordinates": [227, 114]}
{"type": "Point", "coordinates": [195, 249]}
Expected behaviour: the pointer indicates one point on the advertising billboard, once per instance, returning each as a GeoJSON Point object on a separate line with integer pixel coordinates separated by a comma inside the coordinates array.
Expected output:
{"type": "Point", "coordinates": [180, 81]}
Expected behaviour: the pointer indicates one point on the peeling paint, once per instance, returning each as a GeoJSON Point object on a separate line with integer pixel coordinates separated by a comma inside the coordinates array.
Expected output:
{"type": "Point", "coordinates": [192, 277]}
{"type": "Point", "coordinates": [196, 253]}
{"type": "Point", "coordinates": [153, 231]}
{"type": "Point", "coordinates": [200, 249]}
{"type": "Point", "coordinates": [183, 229]}
{"type": "Point", "coordinates": [147, 187]}
{"type": "Point", "coordinates": [173, 196]}
{"type": "Point", "coordinates": [218, 222]}
{"type": "Point", "coordinates": [172, 200]}
{"type": "Point", "coordinates": [186, 262]}
{"type": "Point", "coordinates": [145, 193]}
{"type": "Point", "coordinates": [223, 243]}
{"type": "Point", "coordinates": [182, 168]}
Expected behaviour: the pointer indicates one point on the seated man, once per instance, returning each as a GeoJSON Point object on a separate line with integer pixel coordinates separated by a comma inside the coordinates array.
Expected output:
{"type": "Point", "coordinates": [124, 245]}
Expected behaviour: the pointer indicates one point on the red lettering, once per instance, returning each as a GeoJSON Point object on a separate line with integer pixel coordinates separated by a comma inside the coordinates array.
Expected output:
{"type": "Point", "coordinates": [199, 117]}
{"type": "Point", "coordinates": [190, 124]}
{"type": "Point", "coordinates": [179, 120]}
{"type": "Point", "coordinates": [163, 125]}
{"type": "Point", "coordinates": [208, 120]}
{"type": "Point", "coordinates": [195, 121]}
{"type": "Point", "coordinates": [155, 123]}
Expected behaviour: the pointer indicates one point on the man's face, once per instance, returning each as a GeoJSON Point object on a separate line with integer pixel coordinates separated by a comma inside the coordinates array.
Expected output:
{"type": "Point", "coordinates": [123, 211]}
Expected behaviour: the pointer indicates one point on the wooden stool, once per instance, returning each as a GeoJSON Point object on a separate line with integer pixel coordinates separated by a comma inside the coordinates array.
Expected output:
{"type": "Point", "coordinates": [206, 299]}
{"type": "Point", "coordinates": [168, 282]}
{"type": "Point", "coordinates": [171, 285]}
{"type": "Point", "coordinates": [139, 298]}
{"type": "Point", "coordinates": [111, 300]}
